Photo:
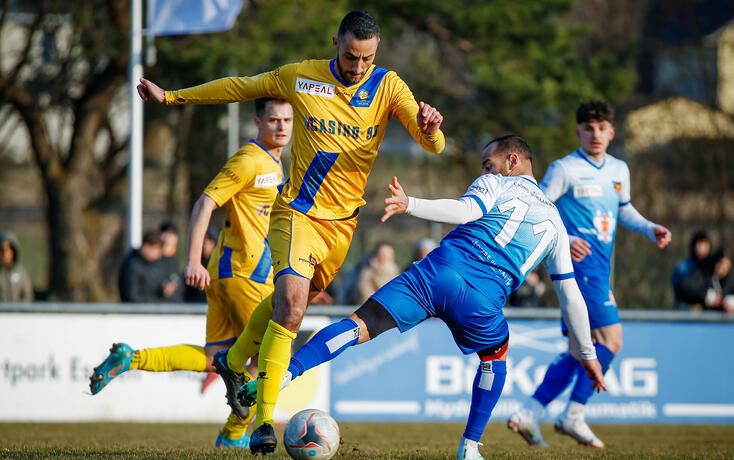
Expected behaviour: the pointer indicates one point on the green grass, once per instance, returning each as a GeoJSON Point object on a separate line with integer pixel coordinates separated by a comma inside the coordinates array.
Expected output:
{"type": "Point", "coordinates": [359, 441]}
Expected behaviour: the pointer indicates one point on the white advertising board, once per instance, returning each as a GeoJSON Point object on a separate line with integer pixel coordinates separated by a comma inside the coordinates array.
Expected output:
{"type": "Point", "coordinates": [46, 360]}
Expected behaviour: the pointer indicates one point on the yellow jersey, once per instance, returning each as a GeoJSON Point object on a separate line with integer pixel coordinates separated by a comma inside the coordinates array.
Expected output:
{"type": "Point", "coordinates": [247, 186]}
{"type": "Point", "coordinates": [338, 128]}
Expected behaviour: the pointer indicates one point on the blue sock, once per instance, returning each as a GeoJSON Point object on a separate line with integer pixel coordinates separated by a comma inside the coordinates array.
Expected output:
{"type": "Point", "coordinates": [326, 345]}
{"type": "Point", "coordinates": [486, 390]}
{"type": "Point", "coordinates": [583, 391]}
{"type": "Point", "coordinates": [558, 376]}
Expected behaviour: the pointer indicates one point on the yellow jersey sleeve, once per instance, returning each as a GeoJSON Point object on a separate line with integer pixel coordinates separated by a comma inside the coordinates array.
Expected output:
{"type": "Point", "coordinates": [233, 177]}
{"type": "Point", "coordinates": [404, 106]}
{"type": "Point", "coordinates": [234, 89]}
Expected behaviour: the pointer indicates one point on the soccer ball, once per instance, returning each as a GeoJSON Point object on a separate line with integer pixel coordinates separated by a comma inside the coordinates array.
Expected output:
{"type": "Point", "coordinates": [311, 434]}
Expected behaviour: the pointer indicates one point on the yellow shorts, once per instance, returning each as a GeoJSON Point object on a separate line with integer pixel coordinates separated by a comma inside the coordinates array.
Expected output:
{"type": "Point", "coordinates": [231, 302]}
{"type": "Point", "coordinates": [306, 246]}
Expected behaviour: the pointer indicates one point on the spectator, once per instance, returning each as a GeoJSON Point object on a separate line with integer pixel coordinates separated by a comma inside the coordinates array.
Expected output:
{"type": "Point", "coordinates": [720, 293]}
{"type": "Point", "coordinates": [692, 276]}
{"type": "Point", "coordinates": [192, 294]}
{"type": "Point", "coordinates": [15, 284]}
{"type": "Point", "coordinates": [422, 248]}
{"type": "Point", "coordinates": [375, 274]}
{"type": "Point", "coordinates": [140, 280]}
{"type": "Point", "coordinates": [168, 264]}
{"type": "Point", "coordinates": [530, 293]}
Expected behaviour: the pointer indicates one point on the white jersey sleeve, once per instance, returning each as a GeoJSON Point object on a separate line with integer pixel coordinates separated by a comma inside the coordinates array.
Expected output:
{"type": "Point", "coordinates": [628, 215]}
{"type": "Point", "coordinates": [474, 204]}
{"type": "Point", "coordinates": [555, 182]}
{"type": "Point", "coordinates": [573, 308]}
{"type": "Point", "coordinates": [485, 190]}
{"type": "Point", "coordinates": [625, 194]}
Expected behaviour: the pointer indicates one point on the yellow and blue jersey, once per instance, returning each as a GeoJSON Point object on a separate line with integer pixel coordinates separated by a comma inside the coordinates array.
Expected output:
{"type": "Point", "coordinates": [338, 128]}
{"type": "Point", "coordinates": [246, 186]}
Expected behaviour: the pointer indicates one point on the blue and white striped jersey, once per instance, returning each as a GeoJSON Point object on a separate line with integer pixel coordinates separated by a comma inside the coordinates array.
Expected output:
{"type": "Point", "coordinates": [588, 196]}
{"type": "Point", "coordinates": [520, 227]}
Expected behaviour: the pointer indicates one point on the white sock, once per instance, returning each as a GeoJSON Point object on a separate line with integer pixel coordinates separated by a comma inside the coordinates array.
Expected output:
{"type": "Point", "coordinates": [286, 379]}
{"type": "Point", "coordinates": [534, 406]}
{"type": "Point", "coordinates": [575, 409]}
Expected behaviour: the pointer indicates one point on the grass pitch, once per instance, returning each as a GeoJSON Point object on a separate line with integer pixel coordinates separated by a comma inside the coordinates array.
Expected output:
{"type": "Point", "coordinates": [359, 441]}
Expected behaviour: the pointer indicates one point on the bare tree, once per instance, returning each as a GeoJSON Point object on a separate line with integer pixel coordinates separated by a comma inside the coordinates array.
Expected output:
{"type": "Point", "coordinates": [62, 82]}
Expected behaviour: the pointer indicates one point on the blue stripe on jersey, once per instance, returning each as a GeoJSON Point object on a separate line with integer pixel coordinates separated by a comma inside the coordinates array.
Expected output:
{"type": "Point", "coordinates": [332, 63]}
{"type": "Point", "coordinates": [261, 272]}
{"type": "Point", "coordinates": [225, 263]}
{"type": "Point", "coordinates": [624, 204]}
{"type": "Point", "coordinates": [364, 95]}
{"type": "Point", "coordinates": [562, 276]}
{"type": "Point", "coordinates": [312, 180]}
{"type": "Point", "coordinates": [479, 202]}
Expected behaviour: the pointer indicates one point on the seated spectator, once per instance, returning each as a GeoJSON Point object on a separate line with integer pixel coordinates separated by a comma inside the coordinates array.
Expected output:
{"type": "Point", "coordinates": [192, 294]}
{"type": "Point", "coordinates": [691, 276]}
{"type": "Point", "coordinates": [380, 269]}
{"type": "Point", "coordinates": [140, 279]}
{"type": "Point", "coordinates": [15, 284]}
{"type": "Point", "coordinates": [168, 263]}
{"type": "Point", "coordinates": [530, 293]}
{"type": "Point", "coordinates": [422, 248]}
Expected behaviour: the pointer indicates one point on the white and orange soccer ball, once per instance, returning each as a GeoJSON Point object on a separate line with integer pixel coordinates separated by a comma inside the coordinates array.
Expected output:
{"type": "Point", "coordinates": [311, 434]}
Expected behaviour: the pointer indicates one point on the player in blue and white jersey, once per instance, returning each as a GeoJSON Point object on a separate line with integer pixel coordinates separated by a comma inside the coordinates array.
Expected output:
{"type": "Point", "coordinates": [506, 227]}
{"type": "Point", "coordinates": [592, 192]}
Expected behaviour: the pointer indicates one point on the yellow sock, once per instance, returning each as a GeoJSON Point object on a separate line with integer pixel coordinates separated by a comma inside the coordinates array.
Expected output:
{"type": "Point", "coordinates": [235, 427]}
{"type": "Point", "coordinates": [166, 359]}
{"type": "Point", "coordinates": [248, 343]}
{"type": "Point", "coordinates": [275, 355]}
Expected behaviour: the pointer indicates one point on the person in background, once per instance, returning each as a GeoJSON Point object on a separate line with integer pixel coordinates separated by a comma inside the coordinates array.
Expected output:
{"type": "Point", "coordinates": [380, 269]}
{"type": "Point", "coordinates": [720, 292]}
{"type": "Point", "coordinates": [139, 279]}
{"type": "Point", "coordinates": [692, 276]}
{"type": "Point", "coordinates": [168, 264]}
{"type": "Point", "coordinates": [530, 293]}
{"type": "Point", "coordinates": [15, 284]}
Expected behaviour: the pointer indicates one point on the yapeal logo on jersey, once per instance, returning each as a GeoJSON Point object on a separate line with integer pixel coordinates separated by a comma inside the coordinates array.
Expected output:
{"type": "Point", "coordinates": [314, 88]}
{"type": "Point", "coordinates": [266, 180]}
{"type": "Point", "coordinates": [605, 224]}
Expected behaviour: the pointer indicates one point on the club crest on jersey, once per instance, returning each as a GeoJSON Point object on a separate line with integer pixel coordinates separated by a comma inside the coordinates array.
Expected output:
{"type": "Point", "coordinates": [605, 223]}
{"type": "Point", "coordinates": [617, 186]}
{"type": "Point", "coordinates": [362, 94]}
{"type": "Point", "coordinates": [314, 88]}
{"type": "Point", "coordinates": [266, 180]}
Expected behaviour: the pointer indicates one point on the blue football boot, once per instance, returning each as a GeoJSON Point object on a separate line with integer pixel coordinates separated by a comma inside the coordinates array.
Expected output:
{"type": "Point", "coordinates": [241, 443]}
{"type": "Point", "coordinates": [263, 440]}
{"type": "Point", "coordinates": [121, 354]}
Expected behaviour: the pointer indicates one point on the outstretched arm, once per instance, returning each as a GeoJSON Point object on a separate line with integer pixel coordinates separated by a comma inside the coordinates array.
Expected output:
{"type": "Point", "coordinates": [447, 211]}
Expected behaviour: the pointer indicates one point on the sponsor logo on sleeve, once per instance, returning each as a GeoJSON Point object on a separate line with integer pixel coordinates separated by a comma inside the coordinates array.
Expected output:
{"type": "Point", "coordinates": [314, 88]}
{"type": "Point", "coordinates": [266, 180]}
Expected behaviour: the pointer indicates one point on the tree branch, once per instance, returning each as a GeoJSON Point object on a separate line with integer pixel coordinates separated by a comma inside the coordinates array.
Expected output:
{"type": "Point", "coordinates": [26, 49]}
{"type": "Point", "coordinates": [6, 7]}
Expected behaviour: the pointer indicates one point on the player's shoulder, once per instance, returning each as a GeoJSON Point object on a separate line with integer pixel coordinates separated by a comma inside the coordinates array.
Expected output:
{"type": "Point", "coordinates": [486, 182]}
{"type": "Point", "coordinates": [615, 162]}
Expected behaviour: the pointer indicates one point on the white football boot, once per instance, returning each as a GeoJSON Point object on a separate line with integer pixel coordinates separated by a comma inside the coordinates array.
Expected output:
{"type": "Point", "coordinates": [576, 427]}
{"type": "Point", "coordinates": [468, 450]}
{"type": "Point", "coordinates": [523, 422]}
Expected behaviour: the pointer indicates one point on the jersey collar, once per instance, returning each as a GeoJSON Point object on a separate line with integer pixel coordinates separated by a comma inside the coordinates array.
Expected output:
{"type": "Point", "coordinates": [332, 67]}
{"type": "Point", "coordinates": [580, 152]}
{"type": "Point", "coordinates": [253, 141]}
{"type": "Point", "coordinates": [530, 179]}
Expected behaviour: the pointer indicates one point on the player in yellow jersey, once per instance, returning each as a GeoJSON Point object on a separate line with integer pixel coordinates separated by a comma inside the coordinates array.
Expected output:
{"type": "Point", "coordinates": [239, 274]}
{"type": "Point", "coordinates": [341, 110]}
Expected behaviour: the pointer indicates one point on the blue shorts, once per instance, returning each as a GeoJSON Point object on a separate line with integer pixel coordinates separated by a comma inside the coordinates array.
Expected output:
{"type": "Point", "coordinates": [599, 300]}
{"type": "Point", "coordinates": [433, 289]}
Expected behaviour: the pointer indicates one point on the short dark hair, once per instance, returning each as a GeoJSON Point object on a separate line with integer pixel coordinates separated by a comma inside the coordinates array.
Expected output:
{"type": "Point", "coordinates": [359, 23]}
{"type": "Point", "coordinates": [511, 143]}
{"type": "Point", "coordinates": [592, 110]}
{"type": "Point", "coordinates": [261, 104]}
{"type": "Point", "coordinates": [151, 237]}
{"type": "Point", "coordinates": [168, 226]}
